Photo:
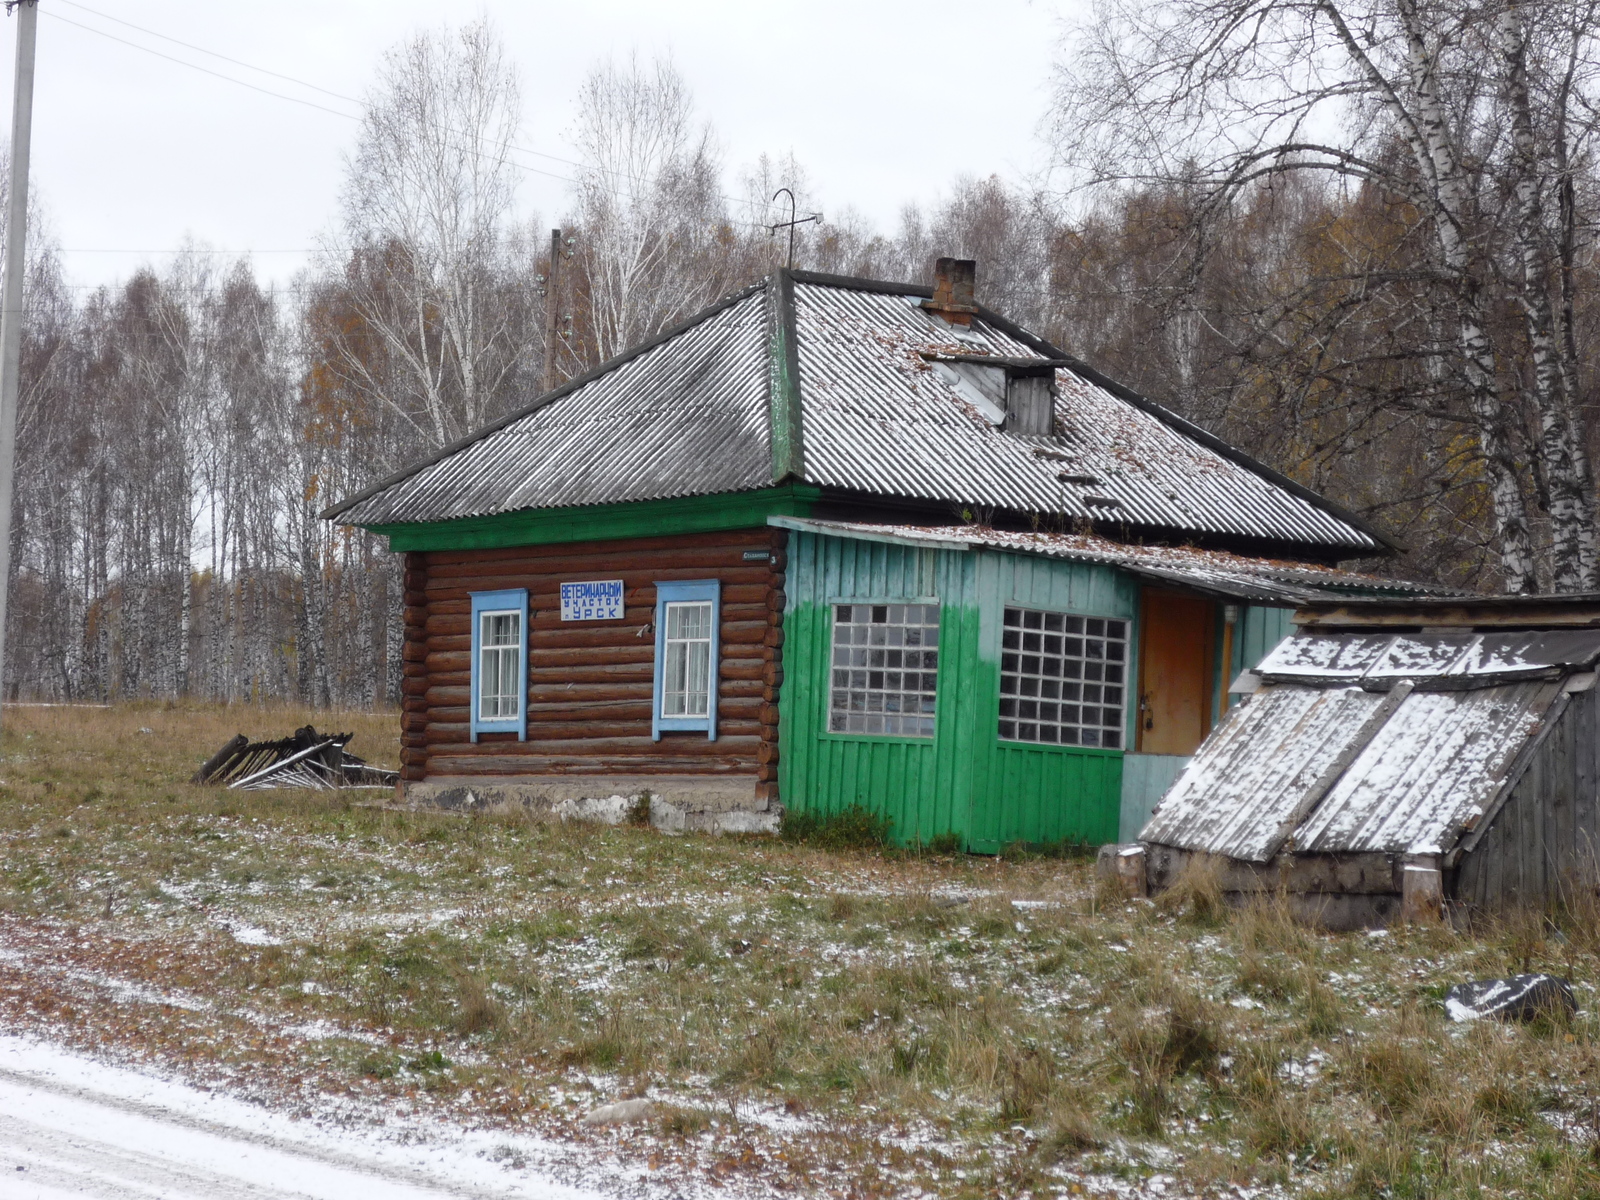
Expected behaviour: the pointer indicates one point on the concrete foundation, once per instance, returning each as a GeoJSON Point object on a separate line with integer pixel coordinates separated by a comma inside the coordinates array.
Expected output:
{"type": "Point", "coordinates": [678, 803]}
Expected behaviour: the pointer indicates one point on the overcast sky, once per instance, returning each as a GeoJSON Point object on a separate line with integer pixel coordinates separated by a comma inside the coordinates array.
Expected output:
{"type": "Point", "coordinates": [882, 103]}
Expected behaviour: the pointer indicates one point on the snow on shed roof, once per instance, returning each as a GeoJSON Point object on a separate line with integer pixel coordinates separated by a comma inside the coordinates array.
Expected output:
{"type": "Point", "coordinates": [1219, 572]}
{"type": "Point", "coordinates": [1391, 743]}
{"type": "Point", "coordinates": [883, 410]}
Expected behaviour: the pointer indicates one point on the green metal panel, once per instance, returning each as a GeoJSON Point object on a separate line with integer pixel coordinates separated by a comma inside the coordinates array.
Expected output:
{"type": "Point", "coordinates": [964, 779]}
{"type": "Point", "coordinates": [1258, 631]}
{"type": "Point", "coordinates": [645, 518]}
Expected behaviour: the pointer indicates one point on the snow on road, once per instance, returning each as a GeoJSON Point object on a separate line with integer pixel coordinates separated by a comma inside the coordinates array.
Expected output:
{"type": "Point", "coordinates": [71, 1126]}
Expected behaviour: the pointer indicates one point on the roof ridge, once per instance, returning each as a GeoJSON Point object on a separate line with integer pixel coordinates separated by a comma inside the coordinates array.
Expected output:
{"type": "Point", "coordinates": [786, 428]}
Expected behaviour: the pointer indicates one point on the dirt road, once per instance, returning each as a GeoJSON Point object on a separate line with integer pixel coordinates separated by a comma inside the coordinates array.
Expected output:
{"type": "Point", "coordinates": [72, 1127]}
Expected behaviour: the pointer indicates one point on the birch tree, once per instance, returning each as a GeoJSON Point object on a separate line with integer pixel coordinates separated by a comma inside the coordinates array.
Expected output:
{"type": "Point", "coordinates": [1404, 96]}
{"type": "Point", "coordinates": [652, 220]}
{"type": "Point", "coordinates": [427, 208]}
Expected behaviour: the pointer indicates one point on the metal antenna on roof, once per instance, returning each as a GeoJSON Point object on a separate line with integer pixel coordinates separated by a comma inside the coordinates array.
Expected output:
{"type": "Point", "coordinates": [791, 222]}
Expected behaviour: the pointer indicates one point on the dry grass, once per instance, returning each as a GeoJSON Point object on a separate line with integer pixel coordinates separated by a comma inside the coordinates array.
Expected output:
{"type": "Point", "coordinates": [855, 1022]}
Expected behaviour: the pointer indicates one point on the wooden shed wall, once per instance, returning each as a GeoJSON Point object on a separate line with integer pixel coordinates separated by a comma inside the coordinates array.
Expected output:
{"type": "Point", "coordinates": [590, 683]}
{"type": "Point", "coordinates": [1547, 835]}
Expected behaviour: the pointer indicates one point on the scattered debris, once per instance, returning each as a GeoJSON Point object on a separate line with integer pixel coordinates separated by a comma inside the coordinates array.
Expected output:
{"type": "Point", "coordinates": [1519, 998]}
{"type": "Point", "coordinates": [307, 760]}
{"type": "Point", "coordinates": [623, 1112]}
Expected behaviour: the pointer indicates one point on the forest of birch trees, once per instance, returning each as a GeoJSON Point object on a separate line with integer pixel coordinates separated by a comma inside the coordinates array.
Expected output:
{"type": "Point", "coordinates": [1355, 237]}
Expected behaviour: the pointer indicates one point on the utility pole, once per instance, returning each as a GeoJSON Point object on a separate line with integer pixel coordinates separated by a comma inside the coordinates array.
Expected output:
{"type": "Point", "coordinates": [27, 14]}
{"type": "Point", "coordinates": [552, 307]}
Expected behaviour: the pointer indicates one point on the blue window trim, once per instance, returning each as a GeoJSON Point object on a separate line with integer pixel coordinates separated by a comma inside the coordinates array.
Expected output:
{"type": "Point", "coordinates": [666, 593]}
{"type": "Point", "coordinates": [515, 599]}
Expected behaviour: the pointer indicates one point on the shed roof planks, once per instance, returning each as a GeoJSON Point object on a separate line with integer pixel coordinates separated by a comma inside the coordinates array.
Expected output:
{"type": "Point", "coordinates": [1364, 741]}
{"type": "Point", "coordinates": [870, 397]}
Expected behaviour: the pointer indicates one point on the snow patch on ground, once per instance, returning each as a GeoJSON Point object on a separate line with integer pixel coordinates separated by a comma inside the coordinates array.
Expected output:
{"type": "Point", "coordinates": [72, 1126]}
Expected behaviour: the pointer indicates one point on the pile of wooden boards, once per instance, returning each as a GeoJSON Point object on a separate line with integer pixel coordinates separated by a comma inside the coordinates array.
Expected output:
{"type": "Point", "coordinates": [307, 760]}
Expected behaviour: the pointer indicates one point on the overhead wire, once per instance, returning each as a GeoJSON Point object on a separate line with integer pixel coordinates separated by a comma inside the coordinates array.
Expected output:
{"type": "Point", "coordinates": [741, 201]}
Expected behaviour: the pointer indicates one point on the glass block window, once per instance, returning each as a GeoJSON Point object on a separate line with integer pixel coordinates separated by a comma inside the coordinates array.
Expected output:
{"type": "Point", "coordinates": [1063, 679]}
{"type": "Point", "coordinates": [885, 669]}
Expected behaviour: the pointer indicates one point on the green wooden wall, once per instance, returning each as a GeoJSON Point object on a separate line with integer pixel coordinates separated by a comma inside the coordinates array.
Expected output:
{"type": "Point", "coordinates": [964, 779]}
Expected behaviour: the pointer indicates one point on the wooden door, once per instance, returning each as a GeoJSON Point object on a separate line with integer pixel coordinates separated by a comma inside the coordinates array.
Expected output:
{"type": "Point", "coordinates": [1177, 636]}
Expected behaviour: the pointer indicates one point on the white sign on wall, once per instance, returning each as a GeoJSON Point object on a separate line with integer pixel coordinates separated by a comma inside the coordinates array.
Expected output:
{"type": "Point", "coordinates": [594, 600]}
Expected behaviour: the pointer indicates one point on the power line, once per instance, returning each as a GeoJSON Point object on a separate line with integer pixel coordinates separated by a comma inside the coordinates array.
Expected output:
{"type": "Point", "coordinates": [744, 202]}
{"type": "Point", "coordinates": [266, 91]}
{"type": "Point", "coordinates": [239, 62]}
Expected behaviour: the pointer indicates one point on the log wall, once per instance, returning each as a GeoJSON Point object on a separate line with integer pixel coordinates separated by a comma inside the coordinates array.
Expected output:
{"type": "Point", "coordinates": [590, 683]}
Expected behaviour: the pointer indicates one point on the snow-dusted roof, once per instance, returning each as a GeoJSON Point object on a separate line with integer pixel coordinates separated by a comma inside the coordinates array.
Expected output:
{"type": "Point", "coordinates": [1373, 742]}
{"type": "Point", "coordinates": [1218, 572]}
{"type": "Point", "coordinates": [874, 396]}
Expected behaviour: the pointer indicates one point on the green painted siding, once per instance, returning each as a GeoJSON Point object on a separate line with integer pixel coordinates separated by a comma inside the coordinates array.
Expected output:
{"type": "Point", "coordinates": [647, 518]}
{"type": "Point", "coordinates": [964, 779]}
{"type": "Point", "coordinates": [1258, 631]}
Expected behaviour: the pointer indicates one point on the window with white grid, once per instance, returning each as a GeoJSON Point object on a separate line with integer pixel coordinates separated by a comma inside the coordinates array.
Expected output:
{"type": "Point", "coordinates": [885, 669]}
{"type": "Point", "coordinates": [1063, 679]}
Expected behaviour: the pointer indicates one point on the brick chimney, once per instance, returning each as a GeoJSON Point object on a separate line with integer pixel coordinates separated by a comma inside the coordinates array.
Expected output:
{"type": "Point", "coordinates": [954, 284]}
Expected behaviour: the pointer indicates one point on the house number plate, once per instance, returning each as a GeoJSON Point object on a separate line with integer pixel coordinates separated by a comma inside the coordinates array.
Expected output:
{"type": "Point", "coordinates": [594, 600]}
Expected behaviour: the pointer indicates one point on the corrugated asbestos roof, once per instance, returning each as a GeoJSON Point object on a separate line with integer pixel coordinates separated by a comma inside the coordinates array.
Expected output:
{"type": "Point", "coordinates": [1236, 576]}
{"type": "Point", "coordinates": [686, 417]}
{"type": "Point", "coordinates": [1392, 743]}
{"type": "Point", "coordinates": [883, 412]}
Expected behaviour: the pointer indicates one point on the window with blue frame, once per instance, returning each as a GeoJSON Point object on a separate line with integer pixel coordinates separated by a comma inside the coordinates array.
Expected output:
{"type": "Point", "coordinates": [688, 618]}
{"type": "Point", "coordinates": [500, 662]}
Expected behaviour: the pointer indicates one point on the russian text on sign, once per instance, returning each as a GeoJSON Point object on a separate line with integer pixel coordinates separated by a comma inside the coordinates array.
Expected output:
{"type": "Point", "coordinates": [592, 600]}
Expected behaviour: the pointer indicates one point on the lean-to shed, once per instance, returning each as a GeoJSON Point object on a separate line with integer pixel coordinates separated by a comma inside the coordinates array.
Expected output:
{"type": "Point", "coordinates": [1434, 747]}
{"type": "Point", "coordinates": [780, 554]}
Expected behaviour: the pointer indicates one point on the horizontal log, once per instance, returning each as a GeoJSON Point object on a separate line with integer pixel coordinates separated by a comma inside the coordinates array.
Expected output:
{"type": "Point", "coordinates": [767, 772]}
{"type": "Point", "coordinates": [618, 673]}
{"type": "Point", "coordinates": [768, 714]}
{"type": "Point", "coordinates": [413, 773]}
{"type": "Point", "coordinates": [597, 554]}
{"type": "Point", "coordinates": [413, 721]}
{"type": "Point", "coordinates": [755, 537]}
{"type": "Point", "coordinates": [637, 708]}
{"type": "Point", "coordinates": [413, 652]}
{"type": "Point", "coordinates": [745, 632]}
{"type": "Point", "coordinates": [727, 689]}
{"type": "Point", "coordinates": [584, 657]}
{"type": "Point", "coordinates": [449, 660]}
{"type": "Point", "coordinates": [767, 753]}
{"type": "Point", "coordinates": [457, 765]}
{"type": "Point", "coordinates": [773, 638]}
{"type": "Point", "coordinates": [416, 581]}
{"type": "Point", "coordinates": [414, 614]}
{"type": "Point", "coordinates": [455, 740]}
{"type": "Point", "coordinates": [776, 599]}
{"type": "Point", "coordinates": [759, 594]}
{"type": "Point", "coordinates": [446, 697]}
{"type": "Point", "coordinates": [581, 729]}
{"type": "Point", "coordinates": [635, 619]}
{"type": "Point", "coordinates": [412, 701]}
{"type": "Point", "coordinates": [456, 589]}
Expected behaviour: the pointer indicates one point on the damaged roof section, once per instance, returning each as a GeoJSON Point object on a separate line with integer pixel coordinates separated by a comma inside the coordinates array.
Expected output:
{"type": "Point", "coordinates": [893, 402]}
{"type": "Point", "coordinates": [1214, 572]}
{"type": "Point", "coordinates": [1362, 741]}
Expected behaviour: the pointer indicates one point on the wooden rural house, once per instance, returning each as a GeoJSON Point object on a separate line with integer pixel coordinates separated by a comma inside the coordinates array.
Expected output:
{"type": "Point", "coordinates": [1396, 756]}
{"type": "Point", "coordinates": [834, 542]}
